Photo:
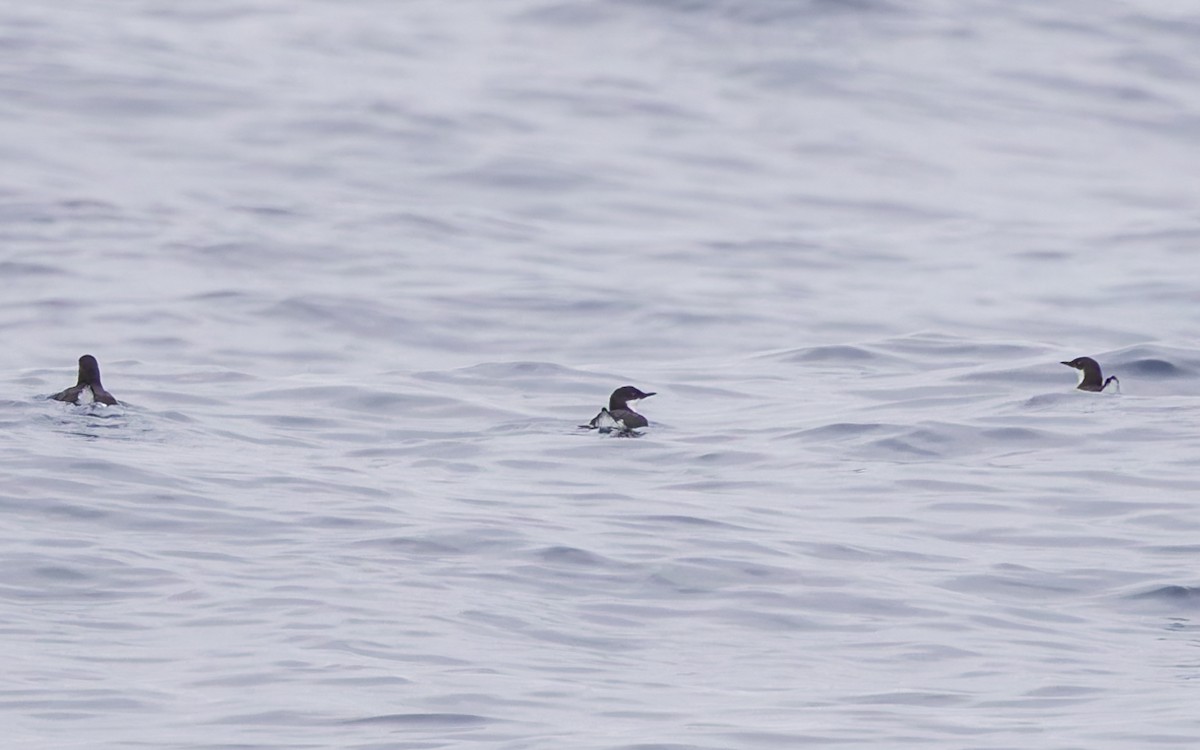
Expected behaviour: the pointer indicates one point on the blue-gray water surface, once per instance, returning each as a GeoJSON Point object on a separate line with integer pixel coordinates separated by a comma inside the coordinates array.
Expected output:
{"type": "Point", "coordinates": [357, 271]}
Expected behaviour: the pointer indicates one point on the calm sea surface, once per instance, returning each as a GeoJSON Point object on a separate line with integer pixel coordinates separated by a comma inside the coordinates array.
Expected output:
{"type": "Point", "coordinates": [357, 271]}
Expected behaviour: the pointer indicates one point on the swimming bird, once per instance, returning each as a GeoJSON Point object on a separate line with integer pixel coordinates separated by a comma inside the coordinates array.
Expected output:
{"type": "Point", "coordinates": [1090, 378]}
{"type": "Point", "coordinates": [619, 415]}
{"type": "Point", "coordinates": [88, 389]}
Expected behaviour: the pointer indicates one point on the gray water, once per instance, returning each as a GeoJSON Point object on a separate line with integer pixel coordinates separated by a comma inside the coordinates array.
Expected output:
{"type": "Point", "coordinates": [357, 271]}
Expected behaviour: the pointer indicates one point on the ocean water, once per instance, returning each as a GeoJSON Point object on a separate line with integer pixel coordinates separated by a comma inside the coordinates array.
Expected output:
{"type": "Point", "coordinates": [357, 271]}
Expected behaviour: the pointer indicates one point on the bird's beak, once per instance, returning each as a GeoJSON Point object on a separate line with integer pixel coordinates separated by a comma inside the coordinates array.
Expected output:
{"type": "Point", "coordinates": [648, 395]}
{"type": "Point", "coordinates": [1068, 364]}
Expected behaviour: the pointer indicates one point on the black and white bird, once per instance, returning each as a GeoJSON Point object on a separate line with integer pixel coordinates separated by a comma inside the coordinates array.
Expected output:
{"type": "Point", "coordinates": [620, 415]}
{"type": "Point", "coordinates": [1090, 378]}
{"type": "Point", "coordinates": [88, 389]}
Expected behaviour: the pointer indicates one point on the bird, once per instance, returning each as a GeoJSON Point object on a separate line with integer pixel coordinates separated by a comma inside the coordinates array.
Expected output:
{"type": "Point", "coordinates": [88, 389]}
{"type": "Point", "coordinates": [619, 415]}
{"type": "Point", "coordinates": [1090, 378]}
